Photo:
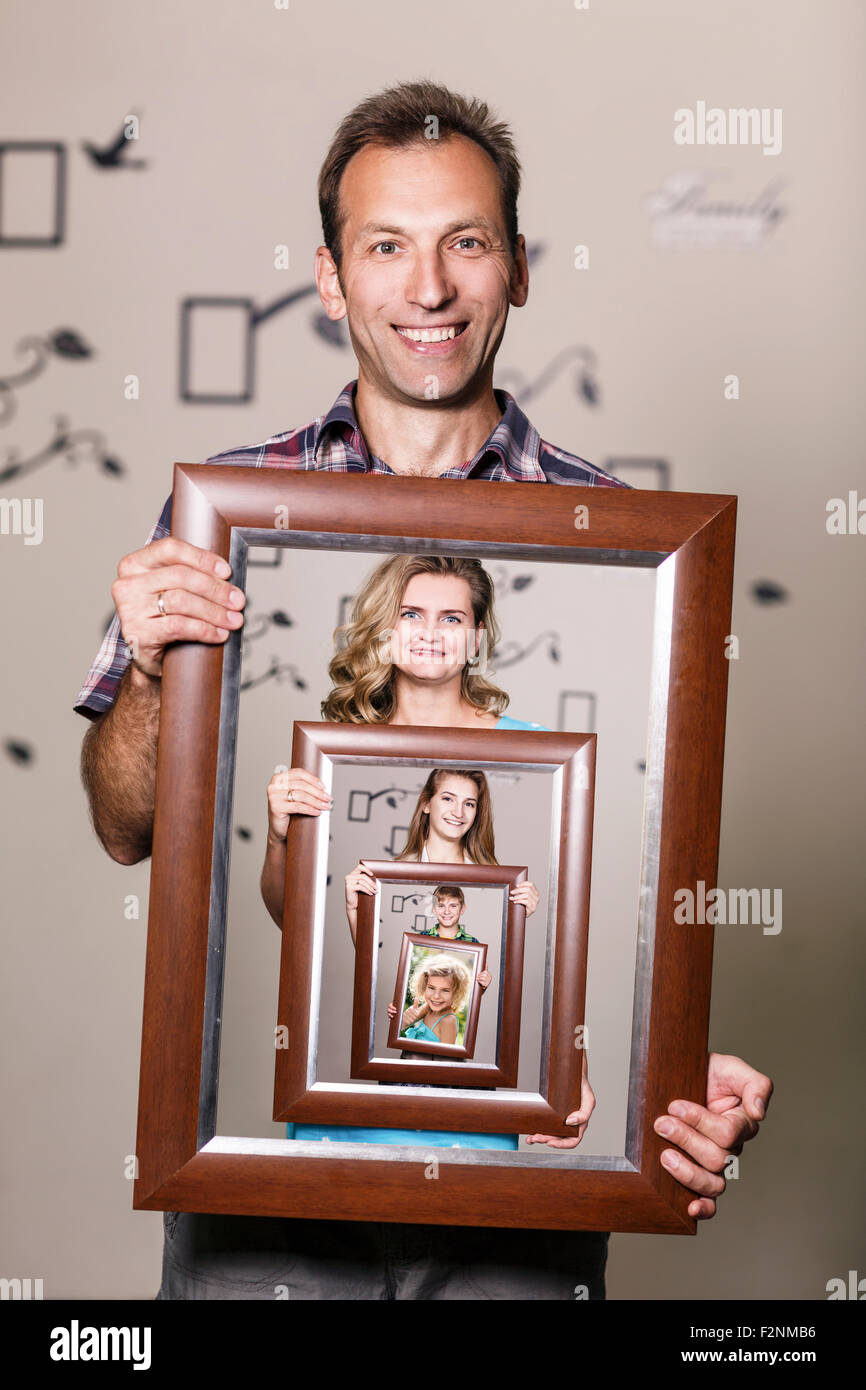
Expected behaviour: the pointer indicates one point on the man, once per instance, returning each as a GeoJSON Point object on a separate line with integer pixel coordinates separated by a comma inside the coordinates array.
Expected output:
{"type": "Point", "coordinates": [422, 256]}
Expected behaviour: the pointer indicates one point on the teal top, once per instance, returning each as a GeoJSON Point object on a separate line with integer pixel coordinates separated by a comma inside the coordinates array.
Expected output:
{"type": "Point", "coordinates": [443, 1139]}
{"type": "Point", "coordinates": [421, 1033]}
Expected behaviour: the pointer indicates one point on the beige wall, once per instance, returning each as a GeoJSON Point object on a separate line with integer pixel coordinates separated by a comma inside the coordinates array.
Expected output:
{"type": "Point", "coordinates": [237, 103]}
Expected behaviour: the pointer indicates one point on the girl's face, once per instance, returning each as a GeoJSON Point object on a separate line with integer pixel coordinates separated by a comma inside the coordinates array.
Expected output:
{"type": "Point", "coordinates": [436, 633]}
{"type": "Point", "coordinates": [439, 992]}
{"type": "Point", "coordinates": [452, 807]}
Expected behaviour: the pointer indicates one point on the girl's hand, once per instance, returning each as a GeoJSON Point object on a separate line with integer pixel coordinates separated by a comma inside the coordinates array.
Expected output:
{"type": "Point", "coordinates": [413, 1013]}
{"type": "Point", "coordinates": [578, 1118]}
{"type": "Point", "coordinates": [485, 978]}
{"type": "Point", "coordinates": [294, 792]}
{"type": "Point", "coordinates": [392, 1010]}
{"type": "Point", "coordinates": [358, 881]}
{"type": "Point", "coordinates": [527, 895]}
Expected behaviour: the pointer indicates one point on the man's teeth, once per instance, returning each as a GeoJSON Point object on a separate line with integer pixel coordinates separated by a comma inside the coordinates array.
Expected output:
{"type": "Point", "coordinates": [431, 335]}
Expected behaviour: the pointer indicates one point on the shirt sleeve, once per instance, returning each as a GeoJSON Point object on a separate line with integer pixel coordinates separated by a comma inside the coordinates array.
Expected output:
{"type": "Point", "coordinates": [99, 690]}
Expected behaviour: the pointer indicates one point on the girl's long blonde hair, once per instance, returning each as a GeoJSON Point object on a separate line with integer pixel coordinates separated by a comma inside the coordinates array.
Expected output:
{"type": "Point", "coordinates": [362, 672]}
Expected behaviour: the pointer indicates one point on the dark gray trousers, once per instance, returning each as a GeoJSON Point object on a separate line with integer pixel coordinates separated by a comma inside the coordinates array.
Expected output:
{"type": "Point", "coordinates": [256, 1257]}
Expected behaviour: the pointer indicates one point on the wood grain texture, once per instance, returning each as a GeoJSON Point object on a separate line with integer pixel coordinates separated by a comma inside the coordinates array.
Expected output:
{"type": "Point", "coordinates": [696, 533]}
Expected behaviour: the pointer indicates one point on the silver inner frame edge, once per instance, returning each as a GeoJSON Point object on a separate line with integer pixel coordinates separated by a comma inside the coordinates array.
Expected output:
{"type": "Point", "coordinates": [208, 1141]}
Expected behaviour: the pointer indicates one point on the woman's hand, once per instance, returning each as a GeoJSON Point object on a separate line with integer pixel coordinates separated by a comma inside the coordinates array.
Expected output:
{"type": "Point", "coordinates": [485, 979]}
{"type": "Point", "coordinates": [527, 895]}
{"type": "Point", "coordinates": [360, 880]}
{"type": "Point", "coordinates": [293, 791]}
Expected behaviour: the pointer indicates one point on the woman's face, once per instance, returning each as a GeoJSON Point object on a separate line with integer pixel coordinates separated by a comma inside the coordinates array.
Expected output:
{"type": "Point", "coordinates": [439, 991]}
{"type": "Point", "coordinates": [436, 633]}
{"type": "Point", "coordinates": [452, 807]}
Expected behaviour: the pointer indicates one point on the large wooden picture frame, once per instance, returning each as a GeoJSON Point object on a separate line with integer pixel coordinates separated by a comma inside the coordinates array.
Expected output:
{"type": "Point", "coordinates": [183, 1164]}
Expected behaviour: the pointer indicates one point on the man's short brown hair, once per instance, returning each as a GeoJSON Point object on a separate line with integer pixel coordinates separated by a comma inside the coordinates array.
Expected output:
{"type": "Point", "coordinates": [406, 115]}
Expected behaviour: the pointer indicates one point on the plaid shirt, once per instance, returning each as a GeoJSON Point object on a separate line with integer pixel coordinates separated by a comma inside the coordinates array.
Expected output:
{"type": "Point", "coordinates": [515, 453]}
{"type": "Point", "coordinates": [462, 934]}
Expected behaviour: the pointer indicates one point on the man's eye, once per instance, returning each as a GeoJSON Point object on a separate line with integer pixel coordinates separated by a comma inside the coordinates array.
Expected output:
{"type": "Point", "coordinates": [463, 240]}
{"type": "Point", "coordinates": [390, 245]}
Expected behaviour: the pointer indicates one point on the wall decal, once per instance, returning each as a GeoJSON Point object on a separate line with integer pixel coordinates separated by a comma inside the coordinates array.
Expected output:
{"type": "Point", "coordinates": [684, 214]}
{"type": "Point", "coordinates": [112, 156]}
{"type": "Point", "coordinates": [240, 319]}
{"type": "Point", "coordinates": [399, 836]}
{"type": "Point", "coordinates": [19, 752]}
{"type": "Point", "coordinates": [767, 591]}
{"type": "Point", "coordinates": [253, 562]}
{"type": "Point", "coordinates": [279, 671]}
{"type": "Point", "coordinates": [32, 193]}
{"type": "Point", "coordinates": [265, 621]}
{"type": "Point", "coordinates": [510, 653]}
{"type": "Point", "coordinates": [64, 342]}
{"type": "Point", "coordinates": [577, 709]}
{"type": "Point", "coordinates": [76, 446]}
{"type": "Point", "coordinates": [360, 802]}
{"type": "Point", "coordinates": [649, 474]}
{"type": "Point", "coordinates": [584, 381]}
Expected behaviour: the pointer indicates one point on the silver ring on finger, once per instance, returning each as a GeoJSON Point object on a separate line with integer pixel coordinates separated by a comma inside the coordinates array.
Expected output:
{"type": "Point", "coordinates": [160, 605]}
{"type": "Point", "coordinates": [290, 795]}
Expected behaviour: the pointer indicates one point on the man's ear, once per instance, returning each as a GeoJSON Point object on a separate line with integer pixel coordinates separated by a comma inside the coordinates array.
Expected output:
{"type": "Point", "coordinates": [328, 284]}
{"type": "Point", "coordinates": [519, 289]}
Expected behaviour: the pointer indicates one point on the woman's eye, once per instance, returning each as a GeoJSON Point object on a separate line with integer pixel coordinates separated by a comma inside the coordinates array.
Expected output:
{"type": "Point", "coordinates": [409, 613]}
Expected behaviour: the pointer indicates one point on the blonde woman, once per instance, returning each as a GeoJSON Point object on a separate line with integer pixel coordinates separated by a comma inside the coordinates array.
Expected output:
{"type": "Point", "coordinates": [417, 650]}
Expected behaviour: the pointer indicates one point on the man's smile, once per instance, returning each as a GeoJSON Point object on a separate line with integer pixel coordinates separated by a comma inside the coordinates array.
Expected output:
{"type": "Point", "coordinates": [432, 340]}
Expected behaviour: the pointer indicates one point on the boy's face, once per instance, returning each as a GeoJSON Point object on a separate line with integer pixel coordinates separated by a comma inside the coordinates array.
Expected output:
{"type": "Point", "coordinates": [448, 911]}
{"type": "Point", "coordinates": [424, 250]}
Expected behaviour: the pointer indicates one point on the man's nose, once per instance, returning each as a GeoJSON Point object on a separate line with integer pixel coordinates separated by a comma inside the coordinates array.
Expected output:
{"type": "Point", "coordinates": [428, 282]}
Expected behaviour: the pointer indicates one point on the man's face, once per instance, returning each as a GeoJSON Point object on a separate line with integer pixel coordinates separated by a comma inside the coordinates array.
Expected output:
{"type": "Point", "coordinates": [427, 275]}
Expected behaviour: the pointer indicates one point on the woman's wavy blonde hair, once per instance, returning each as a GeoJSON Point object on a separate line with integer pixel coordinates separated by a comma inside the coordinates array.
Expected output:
{"type": "Point", "coordinates": [442, 965]}
{"type": "Point", "coordinates": [362, 671]}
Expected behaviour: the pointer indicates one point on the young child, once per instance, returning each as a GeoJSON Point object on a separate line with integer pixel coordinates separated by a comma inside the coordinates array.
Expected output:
{"type": "Point", "coordinates": [440, 988]}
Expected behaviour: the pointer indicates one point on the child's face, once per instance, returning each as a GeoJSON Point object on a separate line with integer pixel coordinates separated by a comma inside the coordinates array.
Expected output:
{"type": "Point", "coordinates": [448, 911]}
{"type": "Point", "coordinates": [439, 991]}
{"type": "Point", "coordinates": [452, 807]}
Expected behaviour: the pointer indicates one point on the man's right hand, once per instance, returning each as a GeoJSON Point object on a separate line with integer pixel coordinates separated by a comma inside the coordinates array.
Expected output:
{"type": "Point", "coordinates": [200, 604]}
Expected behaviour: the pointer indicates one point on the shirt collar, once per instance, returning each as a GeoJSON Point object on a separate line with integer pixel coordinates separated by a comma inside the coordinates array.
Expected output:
{"type": "Point", "coordinates": [511, 452]}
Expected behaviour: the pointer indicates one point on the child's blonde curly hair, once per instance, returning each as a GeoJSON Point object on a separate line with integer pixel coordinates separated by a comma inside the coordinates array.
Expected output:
{"type": "Point", "coordinates": [443, 965]}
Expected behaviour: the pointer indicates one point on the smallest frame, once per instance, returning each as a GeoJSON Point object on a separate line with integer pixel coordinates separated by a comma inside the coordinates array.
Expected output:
{"type": "Point", "coordinates": [476, 952]}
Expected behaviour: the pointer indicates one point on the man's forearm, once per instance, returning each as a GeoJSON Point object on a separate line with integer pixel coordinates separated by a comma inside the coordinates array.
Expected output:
{"type": "Point", "coordinates": [118, 768]}
{"type": "Point", "coordinates": [273, 881]}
